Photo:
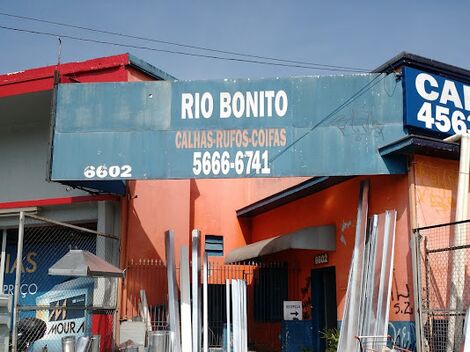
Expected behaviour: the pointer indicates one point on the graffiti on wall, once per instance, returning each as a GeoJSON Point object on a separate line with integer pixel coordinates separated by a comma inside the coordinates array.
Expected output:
{"type": "Point", "coordinates": [401, 300]}
{"type": "Point", "coordinates": [403, 334]}
{"type": "Point", "coordinates": [359, 123]}
{"type": "Point", "coordinates": [436, 187]}
{"type": "Point", "coordinates": [346, 224]}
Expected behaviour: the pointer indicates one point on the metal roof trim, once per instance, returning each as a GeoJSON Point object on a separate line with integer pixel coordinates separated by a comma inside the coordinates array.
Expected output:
{"type": "Point", "coordinates": [149, 69]}
{"type": "Point", "coordinates": [423, 63]}
{"type": "Point", "coordinates": [422, 145]}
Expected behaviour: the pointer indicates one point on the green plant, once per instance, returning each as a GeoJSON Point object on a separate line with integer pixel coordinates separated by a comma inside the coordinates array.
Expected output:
{"type": "Point", "coordinates": [331, 337]}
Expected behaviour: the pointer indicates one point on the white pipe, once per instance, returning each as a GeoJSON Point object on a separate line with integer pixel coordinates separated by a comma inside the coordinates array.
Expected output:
{"type": "Point", "coordinates": [466, 347]}
{"type": "Point", "coordinates": [19, 258]}
{"type": "Point", "coordinates": [458, 257]}
{"type": "Point", "coordinates": [2, 262]}
{"type": "Point", "coordinates": [173, 308]}
{"type": "Point", "coordinates": [186, 333]}
{"type": "Point", "coordinates": [195, 289]}
{"type": "Point", "coordinates": [245, 319]}
{"type": "Point", "coordinates": [236, 316]}
{"type": "Point", "coordinates": [227, 299]}
{"type": "Point", "coordinates": [205, 344]}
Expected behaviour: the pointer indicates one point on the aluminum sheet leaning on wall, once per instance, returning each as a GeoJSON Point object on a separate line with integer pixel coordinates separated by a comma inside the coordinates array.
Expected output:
{"type": "Point", "coordinates": [329, 125]}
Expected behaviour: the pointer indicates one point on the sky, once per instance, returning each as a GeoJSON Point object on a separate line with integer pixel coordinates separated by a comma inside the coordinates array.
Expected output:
{"type": "Point", "coordinates": [358, 34]}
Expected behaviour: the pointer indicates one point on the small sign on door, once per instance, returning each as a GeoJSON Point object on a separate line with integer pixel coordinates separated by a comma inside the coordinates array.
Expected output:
{"type": "Point", "coordinates": [292, 310]}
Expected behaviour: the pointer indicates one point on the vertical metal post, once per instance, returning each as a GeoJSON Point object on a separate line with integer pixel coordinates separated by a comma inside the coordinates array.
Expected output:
{"type": "Point", "coordinates": [244, 320]}
{"type": "Point", "coordinates": [415, 255]}
{"type": "Point", "coordinates": [186, 339]}
{"type": "Point", "coordinates": [455, 323]}
{"type": "Point", "coordinates": [417, 289]}
{"type": "Point", "coordinates": [19, 260]}
{"type": "Point", "coordinates": [428, 285]}
{"type": "Point", "coordinates": [2, 262]}
{"type": "Point", "coordinates": [236, 316]}
{"type": "Point", "coordinates": [227, 298]}
{"type": "Point", "coordinates": [351, 314]}
{"type": "Point", "coordinates": [195, 289]}
{"type": "Point", "coordinates": [205, 318]}
{"type": "Point", "coordinates": [172, 290]}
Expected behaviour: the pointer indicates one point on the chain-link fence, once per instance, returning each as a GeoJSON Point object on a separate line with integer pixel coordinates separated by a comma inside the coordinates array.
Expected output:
{"type": "Point", "coordinates": [48, 308]}
{"type": "Point", "coordinates": [443, 260]}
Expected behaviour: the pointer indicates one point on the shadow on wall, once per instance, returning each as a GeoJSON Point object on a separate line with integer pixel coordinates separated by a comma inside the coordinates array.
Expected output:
{"type": "Point", "coordinates": [139, 243]}
{"type": "Point", "coordinates": [193, 196]}
{"type": "Point", "coordinates": [245, 226]}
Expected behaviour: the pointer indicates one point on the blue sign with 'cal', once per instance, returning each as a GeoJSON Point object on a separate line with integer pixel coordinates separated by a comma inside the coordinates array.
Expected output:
{"type": "Point", "coordinates": [435, 103]}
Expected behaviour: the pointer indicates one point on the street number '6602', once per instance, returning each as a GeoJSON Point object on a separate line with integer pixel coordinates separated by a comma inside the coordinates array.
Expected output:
{"type": "Point", "coordinates": [102, 171]}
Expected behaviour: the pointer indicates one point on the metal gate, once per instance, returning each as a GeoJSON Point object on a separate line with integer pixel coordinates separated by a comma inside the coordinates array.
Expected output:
{"type": "Point", "coordinates": [268, 285]}
{"type": "Point", "coordinates": [443, 258]}
{"type": "Point", "coordinates": [47, 308]}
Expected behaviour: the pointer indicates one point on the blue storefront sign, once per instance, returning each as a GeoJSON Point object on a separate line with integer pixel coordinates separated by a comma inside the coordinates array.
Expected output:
{"type": "Point", "coordinates": [49, 294]}
{"type": "Point", "coordinates": [309, 126]}
{"type": "Point", "coordinates": [435, 104]}
{"type": "Point", "coordinates": [35, 279]}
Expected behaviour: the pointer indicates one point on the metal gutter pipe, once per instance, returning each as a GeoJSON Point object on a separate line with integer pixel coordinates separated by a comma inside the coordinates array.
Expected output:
{"type": "Point", "coordinates": [457, 281]}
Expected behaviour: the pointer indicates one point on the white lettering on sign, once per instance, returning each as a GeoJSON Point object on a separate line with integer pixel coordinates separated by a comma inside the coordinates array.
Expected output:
{"type": "Point", "coordinates": [321, 259]}
{"type": "Point", "coordinates": [420, 83]}
{"type": "Point", "coordinates": [267, 103]}
{"type": "Point", "coordinates": [245, 162]}
{"type": "Point", "coordinates": [192, 107]}
{"type": "Point", "coordinates": [440, 116]}
{"type": "Point", "coordinates": [103, 171]}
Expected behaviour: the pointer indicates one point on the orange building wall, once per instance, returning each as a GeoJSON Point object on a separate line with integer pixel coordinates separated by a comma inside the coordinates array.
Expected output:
{"type": "Point", "coordinates": [210, 205]}
{"type": "Point", "coordinates": [154, 207]}
{"type": "Point", "coordinates": [134, 75]}
{"type": "Point", "coordinates": [183, 205]}
{"type": "Point", "coordinates": [436, 190]}
{"type": "Point", "coordinates": [338, 205]}
{"type": "Point", "coordinates": [436, 198]}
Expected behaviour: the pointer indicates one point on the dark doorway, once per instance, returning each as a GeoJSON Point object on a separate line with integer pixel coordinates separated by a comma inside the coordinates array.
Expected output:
{"type": "Point", "coordinates": [323, 288]}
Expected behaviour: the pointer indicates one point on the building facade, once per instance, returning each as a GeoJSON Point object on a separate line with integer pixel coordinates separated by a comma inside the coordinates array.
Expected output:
{"type": "Point", "coordinates": [238, 217]}
{"type": "Point", "coordinates": [26, 101]}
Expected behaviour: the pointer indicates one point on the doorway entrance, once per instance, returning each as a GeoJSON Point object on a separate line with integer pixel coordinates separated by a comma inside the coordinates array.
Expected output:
{"type": "Point", "coordinates": [324, 311]}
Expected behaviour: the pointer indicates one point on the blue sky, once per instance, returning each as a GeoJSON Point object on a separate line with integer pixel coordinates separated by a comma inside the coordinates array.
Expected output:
{"type": "Point", "coordinates": [361, 34]}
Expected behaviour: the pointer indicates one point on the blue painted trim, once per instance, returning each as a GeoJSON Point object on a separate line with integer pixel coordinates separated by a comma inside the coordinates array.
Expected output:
{"type": "Point", "coordinates": [149, 69]}
{"type": "Point", "coordinates": [111, 187]}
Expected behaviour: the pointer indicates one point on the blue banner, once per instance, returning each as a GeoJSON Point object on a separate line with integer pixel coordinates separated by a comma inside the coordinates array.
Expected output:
{"type": "Point", "coordinates": [35, 278]}
{"type": "Point", "coordinates": [310, 126]}
{"type": "Point", "coordinates": [436, 104]}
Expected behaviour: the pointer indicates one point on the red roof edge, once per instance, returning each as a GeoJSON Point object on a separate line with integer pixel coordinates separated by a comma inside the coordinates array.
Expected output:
{"type": "Point", "coordinates": [65, 69]}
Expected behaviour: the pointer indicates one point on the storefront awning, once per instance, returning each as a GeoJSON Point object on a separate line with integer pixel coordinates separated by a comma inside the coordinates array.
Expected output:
{"type": "Point", "coordinates": [314, 238]}
{"type": "Point", "coordinates": [83, 263]}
